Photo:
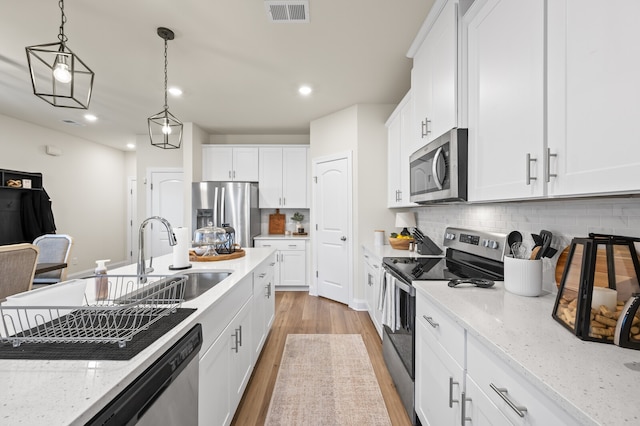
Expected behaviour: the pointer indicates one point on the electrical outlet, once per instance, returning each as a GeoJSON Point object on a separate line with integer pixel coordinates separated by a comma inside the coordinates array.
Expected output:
{"type": "Point", "coordinates": [74, 260]}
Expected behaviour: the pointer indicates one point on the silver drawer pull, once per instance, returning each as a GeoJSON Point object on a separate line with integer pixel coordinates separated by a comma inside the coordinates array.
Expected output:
{"type": "Point", "coordinates": [451, 400]}
{"type": "Point", "coordinates": [262, 275]}
{"type": "Point", "coordinates": [502, 392]}
{"type": "Point", "coordinates": [431, 321]}
{"type": "Point", "coordinates": [463, 410]}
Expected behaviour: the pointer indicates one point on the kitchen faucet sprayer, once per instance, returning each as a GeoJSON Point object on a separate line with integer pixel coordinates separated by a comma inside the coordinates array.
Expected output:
{"type": "Point", "coordinates": [142, 269]}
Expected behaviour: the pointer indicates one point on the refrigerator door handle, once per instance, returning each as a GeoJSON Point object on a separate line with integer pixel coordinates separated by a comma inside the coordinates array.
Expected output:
{"type": "Point", "coordinates": [222, 210]}
{"type": "Point", "coordinates": [215, 207]}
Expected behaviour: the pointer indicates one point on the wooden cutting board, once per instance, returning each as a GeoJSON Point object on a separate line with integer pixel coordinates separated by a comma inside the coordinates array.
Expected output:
{"type": "Point", "coordinates": [276, 223]}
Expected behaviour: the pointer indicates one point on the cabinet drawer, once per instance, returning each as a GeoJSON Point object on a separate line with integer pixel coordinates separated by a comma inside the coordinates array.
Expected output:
{"type": "Point", "coordinates": [288, 244]}
{"type": "Point", "coordinates": [441, 327]}
{"type": "Point", "coordinates": [219, 315]}
{"type": "Point", "coordinates": [486, 370]}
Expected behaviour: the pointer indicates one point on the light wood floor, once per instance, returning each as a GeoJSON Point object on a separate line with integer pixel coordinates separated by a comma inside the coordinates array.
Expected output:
{"type": "Point", "coordinates": [299, 313]}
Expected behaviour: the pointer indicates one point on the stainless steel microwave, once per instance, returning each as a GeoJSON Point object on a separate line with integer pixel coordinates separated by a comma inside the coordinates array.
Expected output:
{"type": "Point", "coordinates": [438, 171]}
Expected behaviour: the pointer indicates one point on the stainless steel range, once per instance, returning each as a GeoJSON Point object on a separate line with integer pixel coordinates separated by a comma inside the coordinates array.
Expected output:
{"type": "Point", "coordinates": [472, 256]}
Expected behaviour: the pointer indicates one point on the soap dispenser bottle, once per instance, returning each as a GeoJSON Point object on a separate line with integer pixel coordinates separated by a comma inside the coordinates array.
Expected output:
{"type": "Point", "coordinates": [102, 282]}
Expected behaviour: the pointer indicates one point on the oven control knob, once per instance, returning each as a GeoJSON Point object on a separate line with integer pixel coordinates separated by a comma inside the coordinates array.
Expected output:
{"type": "Point", "coordinates": [485, 243]}
{"type": "Point", "coordinates": [449, 236]}
{"type": "Point", "coordinates": [492, 244]}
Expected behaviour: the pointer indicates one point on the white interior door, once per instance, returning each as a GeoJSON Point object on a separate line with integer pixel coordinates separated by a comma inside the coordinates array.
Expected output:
{"type": "Point", "coordinates": [167, 195]}
{"type": "Point", "coordinates": [333, 242]}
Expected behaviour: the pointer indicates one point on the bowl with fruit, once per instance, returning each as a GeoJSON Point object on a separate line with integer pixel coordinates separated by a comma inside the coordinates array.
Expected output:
{"type": "Point", "coordinates": [400, 242]}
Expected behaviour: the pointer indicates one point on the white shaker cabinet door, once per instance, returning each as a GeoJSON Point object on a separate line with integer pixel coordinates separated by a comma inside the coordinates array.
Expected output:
{"type": "Point", "coordinates": [505, 67]}
{"type": "Point", "coordinates": [295, 178]}
{"type": "Point", "coordinates": [594, 91]}
{"type": "Point", "coordinates": [245, 164]}
{"type": "Point", "coordinates": [217, 163]}
{"type": "Point", "coordinates": [270, 194]}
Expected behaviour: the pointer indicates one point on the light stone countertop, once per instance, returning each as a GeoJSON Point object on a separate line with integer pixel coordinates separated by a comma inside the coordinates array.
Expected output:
{"type": "Point", "coordinates": [597, 383]}
{"type": "Point", "coordinates": [67, 392]}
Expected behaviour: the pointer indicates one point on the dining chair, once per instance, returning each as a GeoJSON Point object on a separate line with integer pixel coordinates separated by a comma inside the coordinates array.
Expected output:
{"type": "Point", "coordinates": [17, 267]}
{"type": "Point", "coordinates": [54, 248]}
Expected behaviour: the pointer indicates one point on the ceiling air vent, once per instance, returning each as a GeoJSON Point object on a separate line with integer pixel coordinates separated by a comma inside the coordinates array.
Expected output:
{"type": "Point", "coordinates": [291, 11]}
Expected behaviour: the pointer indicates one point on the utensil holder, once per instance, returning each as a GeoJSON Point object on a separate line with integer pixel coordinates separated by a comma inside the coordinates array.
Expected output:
{"type": "Point", "coordinates": [523, 276]}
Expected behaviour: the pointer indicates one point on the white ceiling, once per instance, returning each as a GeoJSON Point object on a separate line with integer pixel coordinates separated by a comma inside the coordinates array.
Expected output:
{"type": "Point", "coordinates": [239, 72]}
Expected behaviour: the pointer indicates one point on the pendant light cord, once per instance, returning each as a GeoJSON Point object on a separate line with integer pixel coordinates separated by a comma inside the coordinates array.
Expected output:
{"type": "Point", "coordinates": [63, 38]}
{"type": "Point", "coordinates": [166, 106]}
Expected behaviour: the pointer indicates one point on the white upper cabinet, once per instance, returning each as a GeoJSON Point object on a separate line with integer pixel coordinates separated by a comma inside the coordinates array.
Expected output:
{"type": "Point", "coordinates": [230, 163]}
{"type": "Point", "coordinates": [505, 77]}
{"type": "Point", "coordinates": [401, 143]}
{"type": "Point", "coordinates": [551, 114]}
{"type": "Point", "coordinates": [434, 77]}
{"type": "Point", "coordinates": [283, 177]}
{"type": "Point", "coordinates": [594, 64]}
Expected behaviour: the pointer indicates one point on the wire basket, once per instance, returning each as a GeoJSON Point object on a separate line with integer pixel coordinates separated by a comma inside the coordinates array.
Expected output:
{"type": "Point", "coordinates": [116, 308]}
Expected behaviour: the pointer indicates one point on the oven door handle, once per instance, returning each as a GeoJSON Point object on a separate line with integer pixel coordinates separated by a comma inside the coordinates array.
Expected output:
{"type": "Point", "coordinates": [401, 282]}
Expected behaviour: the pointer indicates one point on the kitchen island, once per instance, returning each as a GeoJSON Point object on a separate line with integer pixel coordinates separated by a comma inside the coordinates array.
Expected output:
{"type": "Point", "coordinates": [590, 383]}
{"type": "Point", "coordinates": [71, 392]}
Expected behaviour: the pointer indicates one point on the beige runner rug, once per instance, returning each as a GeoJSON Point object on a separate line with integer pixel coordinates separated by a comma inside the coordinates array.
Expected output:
{"type": "Point", "coordinates": [326, 379]}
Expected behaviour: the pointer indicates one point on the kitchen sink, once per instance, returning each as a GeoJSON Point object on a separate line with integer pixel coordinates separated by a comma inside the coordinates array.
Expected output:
{"type": "Point", "coordinates": [199, 282]}
{"type": "Point", "coordinates": [195, 284]}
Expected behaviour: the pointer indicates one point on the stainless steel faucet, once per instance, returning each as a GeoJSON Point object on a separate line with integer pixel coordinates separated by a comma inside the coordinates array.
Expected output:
{"type": "Point", "coordinates": [142, 269]}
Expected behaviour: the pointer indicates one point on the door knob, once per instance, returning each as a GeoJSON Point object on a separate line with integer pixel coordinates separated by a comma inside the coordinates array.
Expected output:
{"type": "Point", "coordinates": [343, 238]}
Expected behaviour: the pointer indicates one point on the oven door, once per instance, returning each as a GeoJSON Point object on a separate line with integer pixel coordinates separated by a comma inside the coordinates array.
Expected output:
{"type": "Point", "coordinates": [398, 342]}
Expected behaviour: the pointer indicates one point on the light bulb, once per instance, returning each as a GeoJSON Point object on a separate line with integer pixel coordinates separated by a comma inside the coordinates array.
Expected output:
{"type": "Point", "coordinates": [166, 129]}
{"type": "Point", "coordinates": [61, 70]}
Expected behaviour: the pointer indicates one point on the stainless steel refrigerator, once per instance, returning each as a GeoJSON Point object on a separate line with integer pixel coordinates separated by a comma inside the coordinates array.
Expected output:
{"type": "Point", "coordinates": [232, 203]}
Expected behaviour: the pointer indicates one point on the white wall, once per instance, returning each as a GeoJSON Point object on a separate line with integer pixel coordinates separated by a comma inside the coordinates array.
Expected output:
{"type": "Point", "coordinates": [86, 184]}
{"type": "Point", "coordinates": [260, 139]}
{"type": "Point", "coordinates": [565, 218]}
{"type": "Point", "coordinates": [360, 130]}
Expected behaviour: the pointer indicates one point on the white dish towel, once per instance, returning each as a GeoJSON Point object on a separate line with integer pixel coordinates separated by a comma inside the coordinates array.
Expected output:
{"type": "Point", "coordinates": [389, 301]}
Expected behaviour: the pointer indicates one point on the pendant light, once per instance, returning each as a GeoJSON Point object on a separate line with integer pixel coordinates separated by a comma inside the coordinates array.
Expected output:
{"type": "Point", "coordinates": [59, 76]}
{"type": "Point", "coordinates": [165, 130]}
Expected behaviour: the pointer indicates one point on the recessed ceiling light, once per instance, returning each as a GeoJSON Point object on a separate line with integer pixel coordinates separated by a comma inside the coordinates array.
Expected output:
{"type": "Point", "coordinates": [175, 91]}
{"type": "Point", "coordinates": [90, 117]}
{"type": "Point", "coordinates": [131, 145]}
{"type": "Point", "coordinates": [305, 90]}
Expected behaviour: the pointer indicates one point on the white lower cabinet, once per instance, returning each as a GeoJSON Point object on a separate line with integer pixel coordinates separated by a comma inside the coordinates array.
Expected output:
{"type": "Point", "coordinates": [264, 301]}
{"type": "Point", "coordinates": [372, 282]}
{"type": "Point", "coordinates": [291, 261]}
{"type": "Point", "coordinates": [225, 369]}
{"type": "Point", "coordinates": [509, 392]}
{"type": "Point", "coordinates": [439, 371]}
{"type": "Point", "coordinates": [458, 377]}
{"type": "Point", "coordinates": [234, 330]}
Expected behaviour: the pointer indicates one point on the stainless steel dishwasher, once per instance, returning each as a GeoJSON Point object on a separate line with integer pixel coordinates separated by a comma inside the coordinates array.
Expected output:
{"type": "Point", "coordinates": [166, 393]}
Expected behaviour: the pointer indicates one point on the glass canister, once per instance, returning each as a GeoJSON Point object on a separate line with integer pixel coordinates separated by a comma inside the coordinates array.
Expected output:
{"type": "Point", "coordinates": [600, 275]}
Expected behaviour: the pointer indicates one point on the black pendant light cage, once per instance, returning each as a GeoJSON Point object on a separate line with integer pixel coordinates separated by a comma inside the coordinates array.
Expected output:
{"type": "Point", "coordinates": [595, 265]}
{"type": "Point", "coordinates": [165, 130]}
{"type": "Point", "coordinates": [74, 82]}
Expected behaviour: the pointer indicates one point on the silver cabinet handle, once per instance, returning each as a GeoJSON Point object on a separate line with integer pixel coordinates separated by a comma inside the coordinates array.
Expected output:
{"type": "Point", "coordinates": [272, 263]}
{"type": "Point", "coordinates": [268, 288]}
{"type": "Point", "coordinates": [229, 174]}
{"type": "Point", "coordinates": [234, 174]}
{"type": "Point", "coordinates": [502, 392]}
{"type": "Point", "coordinates": [235, 337]}
{"type": "Point", "coordinates": [280, 201]}
{"type": "Point", "coordinates": [463, 410]}
{"type": "Point", "coordinates": [451, 400]}
{"type": "Point", "coordinates": [530, 160]}
{"type": "Point", "coordinates": [262, 275]}
{"type": "Point", "coordinates": [424, 127]}
{"type": "Point", "coordinates": [343, 238]}
{"type": "Point", "coordinates": [376, 266]}
{"type": "Point", "coordinates": [548, 165]}
{"type": "Point", "coordinates": [240, 333]}
{"type": "Point", "coordinates": [366, 257]}
{"type": "Point", "coordinates": [284, 201]}
{"type": "Point", "coordinates": [431, 321]}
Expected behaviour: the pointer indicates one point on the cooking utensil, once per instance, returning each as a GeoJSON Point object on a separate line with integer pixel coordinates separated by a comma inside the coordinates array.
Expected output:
{"type": "Point", "coordinates": [276, 223]}
{"type": "Point", "coordinates": [519, 250]}
{"type": "Point", "coordinates": [478, 282]}
{"type": "Point", "coordinates": [514, 237]}
{"type": "Point", "coordinates": [535, 253]}
{"type": "Point", "coordinates": [546, 238]}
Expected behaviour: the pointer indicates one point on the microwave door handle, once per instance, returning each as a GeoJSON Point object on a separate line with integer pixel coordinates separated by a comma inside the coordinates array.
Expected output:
{"type": "Point", "coordinates": [434, 168]}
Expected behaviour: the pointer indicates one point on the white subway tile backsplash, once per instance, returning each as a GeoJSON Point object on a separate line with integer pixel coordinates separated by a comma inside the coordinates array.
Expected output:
{"type": "Point", "coordinates": [565, 218]}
